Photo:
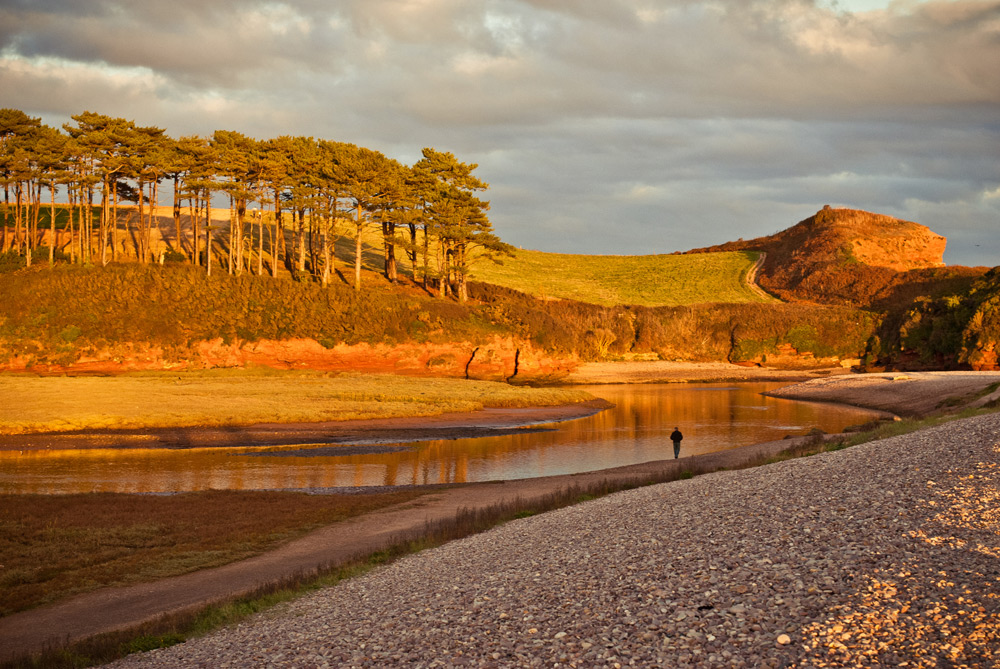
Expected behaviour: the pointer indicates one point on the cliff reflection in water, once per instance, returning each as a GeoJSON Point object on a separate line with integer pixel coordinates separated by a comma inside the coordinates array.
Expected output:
{"type": "Point", "coordinates": [712, 417]}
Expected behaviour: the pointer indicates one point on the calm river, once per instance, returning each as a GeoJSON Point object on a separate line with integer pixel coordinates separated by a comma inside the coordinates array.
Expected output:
{"type": "Point", "coordinates": [713, 417]}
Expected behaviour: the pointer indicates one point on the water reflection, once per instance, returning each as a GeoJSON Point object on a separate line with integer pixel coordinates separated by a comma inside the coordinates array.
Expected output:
{"type": "Point", "coordinates": [713, 417]}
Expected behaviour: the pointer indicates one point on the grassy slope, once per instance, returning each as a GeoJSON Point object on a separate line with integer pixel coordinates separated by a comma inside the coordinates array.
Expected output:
{"type": "Point", "coordinates": [56, 546]}
{"type": "Point", "coordinates": [653, 280]}
{"type": "Point", "coordinates": [57, 315]}
{"type": "Point", "coordinates": [648, 280]}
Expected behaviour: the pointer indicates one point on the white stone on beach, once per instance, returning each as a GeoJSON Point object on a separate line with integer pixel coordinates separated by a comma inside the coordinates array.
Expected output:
{"type": "Point", "coordinates": [876, 572]}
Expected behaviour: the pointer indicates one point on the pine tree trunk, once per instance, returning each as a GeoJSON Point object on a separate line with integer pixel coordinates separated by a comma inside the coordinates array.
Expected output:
{"type": "Point", "coordinates": [194, 204]}
{"type": "Point", "coordinates": [357, 251]}
{"type": "Point", "coordinates": [279, 237]}
{"type": "Point", "coordinates": [463, 288]}
{"type": "Point", "coordinates": [140, 251]}
{"type": "Point", "coordinates": [325, 251]}
{"type": "Point", "coordinates": [300, 240]}
{"type": "Point", "coordinates": [69, 222]}
{"type": "Point", "coordinates": [177, 215]}
{"type": "Point", "coordinates": [260, 250]}
{"type": "Point", "coordinates": [427, 258]}
{"type": "Point", "coordinates": [154, 197]}
{"type": "Point", "coordinates": [36, 196]}
{"type": "Point", "coordinates": [105, 199]}
{"type": "Point", "coordinates": [442, 271]}
{"type": "Point", "coordinates": [4, 232]}
{"type": "Point", "coordinates": [52, 226]}
{"type": "Point", "coordinates": [18, 234]}
{"type": "Point", "coordinates": [313, 234]}
{"type": "Point", "coordinates": [412, 254]}
{"type": "Point", "coordinates": [114, 222]}
{"type": "Point", "coordinates": [235, 241]}
{"type": "Point", "coordinates": [208, 233]}
{"type": "Point", "coordinates": [330, 243]}
{"type": "Point", "coordinates": [389, 250]}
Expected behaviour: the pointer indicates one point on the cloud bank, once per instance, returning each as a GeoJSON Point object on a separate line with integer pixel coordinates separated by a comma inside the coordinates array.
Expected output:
{"type": "Point", "coordinates": [603, 126]}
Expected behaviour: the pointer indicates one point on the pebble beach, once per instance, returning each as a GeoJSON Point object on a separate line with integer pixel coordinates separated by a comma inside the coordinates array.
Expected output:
{"type": "Point", "coordinates": [883, 554]}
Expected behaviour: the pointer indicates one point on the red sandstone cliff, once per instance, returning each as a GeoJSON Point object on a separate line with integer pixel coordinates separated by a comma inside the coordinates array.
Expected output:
{"type": "Point", "coordinates": [844, 256]}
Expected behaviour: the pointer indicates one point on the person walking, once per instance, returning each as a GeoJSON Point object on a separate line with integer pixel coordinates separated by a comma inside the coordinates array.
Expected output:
{"type": "Point", "coordinates": [676, 437]}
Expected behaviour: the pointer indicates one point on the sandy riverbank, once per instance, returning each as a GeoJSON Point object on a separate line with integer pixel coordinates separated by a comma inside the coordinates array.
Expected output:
{"type": "Point", "coordinates": [663, 371]}
{"type": "Point", "coordinates": [455, 425]}
{"type": "Point", "coordinates": [910, 394]}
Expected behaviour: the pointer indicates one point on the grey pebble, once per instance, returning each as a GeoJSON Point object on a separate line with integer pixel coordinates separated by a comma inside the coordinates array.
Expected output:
{"type": "Point", "coordinates": [882, 554]}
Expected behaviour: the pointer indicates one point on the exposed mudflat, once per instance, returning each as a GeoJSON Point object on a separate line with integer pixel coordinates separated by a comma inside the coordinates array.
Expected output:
{"type": "Point", "coordinates": [901, 393]}
{"type": "Point", "coordinates": [484, 423]}
{"type": "Point", "coordinates": [662, 371]}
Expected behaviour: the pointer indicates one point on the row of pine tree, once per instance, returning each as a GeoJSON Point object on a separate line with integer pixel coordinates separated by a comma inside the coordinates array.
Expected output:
{"type": "Point", "coordinates": [291, 198]}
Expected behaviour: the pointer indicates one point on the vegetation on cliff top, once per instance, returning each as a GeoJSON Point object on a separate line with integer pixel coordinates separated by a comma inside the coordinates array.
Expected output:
{"type": "Point", "coordinates": [956, 330]}
{"type": "Point", "coordinates": [56, 315]}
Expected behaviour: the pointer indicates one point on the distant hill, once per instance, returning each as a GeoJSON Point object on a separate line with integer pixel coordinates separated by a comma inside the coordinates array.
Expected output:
{"type": "Point", "coordinates": [848, 256]}
{"type": "Point", "coordinates": [650, 281]}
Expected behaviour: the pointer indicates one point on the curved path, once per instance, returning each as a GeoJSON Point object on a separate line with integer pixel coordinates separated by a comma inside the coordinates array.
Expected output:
{"type": "Point", "coordinates": [696, 509]}
{"type": "Point", "coordinates": [885, 554]}
{"type": "Point", "coordinates": [113, 609]}
{"type": "Point", "coordinates": [751, 279]}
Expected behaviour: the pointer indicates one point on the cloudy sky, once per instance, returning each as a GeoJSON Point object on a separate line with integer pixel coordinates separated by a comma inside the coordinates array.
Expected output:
{"type": "Point", "coordinates": [602, 126]}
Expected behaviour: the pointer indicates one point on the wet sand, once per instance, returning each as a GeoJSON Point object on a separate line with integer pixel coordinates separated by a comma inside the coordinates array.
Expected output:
{"type": "Point", "coordinates": [456, 425]}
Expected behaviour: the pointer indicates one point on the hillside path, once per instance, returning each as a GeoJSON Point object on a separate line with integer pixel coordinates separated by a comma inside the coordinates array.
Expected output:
{"type": "Point", "coordinates": [751, 279]}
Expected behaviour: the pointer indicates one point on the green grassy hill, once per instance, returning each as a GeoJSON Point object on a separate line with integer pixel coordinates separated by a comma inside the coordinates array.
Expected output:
{"type": "Point", "coordinates": [57, 315]}
{"type": "Point", "coordinates": [651, 281]}
{"type": "Point", "coordinates": [606, 280]}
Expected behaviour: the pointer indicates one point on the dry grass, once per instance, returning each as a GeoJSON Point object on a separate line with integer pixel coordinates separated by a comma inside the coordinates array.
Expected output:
{"type": "Point", "coordinates": [55, 546]}
{"type": "Point", "coordinates": [238, 397]}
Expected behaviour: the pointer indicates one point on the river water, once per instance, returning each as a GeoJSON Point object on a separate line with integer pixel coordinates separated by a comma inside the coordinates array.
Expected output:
{"type": "Point", "coordinates": [713, 417]}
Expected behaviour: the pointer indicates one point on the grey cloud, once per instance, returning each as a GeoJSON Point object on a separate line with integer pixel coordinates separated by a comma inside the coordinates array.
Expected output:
{"type": "Point", "coordinates": [603, 126]}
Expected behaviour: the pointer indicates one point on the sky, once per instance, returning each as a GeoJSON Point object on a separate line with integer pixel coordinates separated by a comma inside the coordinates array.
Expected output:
{"type": "Point", "coordinates": [602, 126]}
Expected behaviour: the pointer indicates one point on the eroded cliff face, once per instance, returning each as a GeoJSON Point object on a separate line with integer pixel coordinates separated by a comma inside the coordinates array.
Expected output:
{"type": "Point", "coordinates": [498, 360]}
{"type": "Point", "coordinates": [882, 241]}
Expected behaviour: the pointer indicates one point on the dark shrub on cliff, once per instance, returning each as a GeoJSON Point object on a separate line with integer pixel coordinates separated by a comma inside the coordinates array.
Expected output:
{"type": "Point", "coordinates": [960, 330]}
{"type": "Point", "coordinates": [734, 332]}
{"type": "Point", "coordinates": [57, 313]}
